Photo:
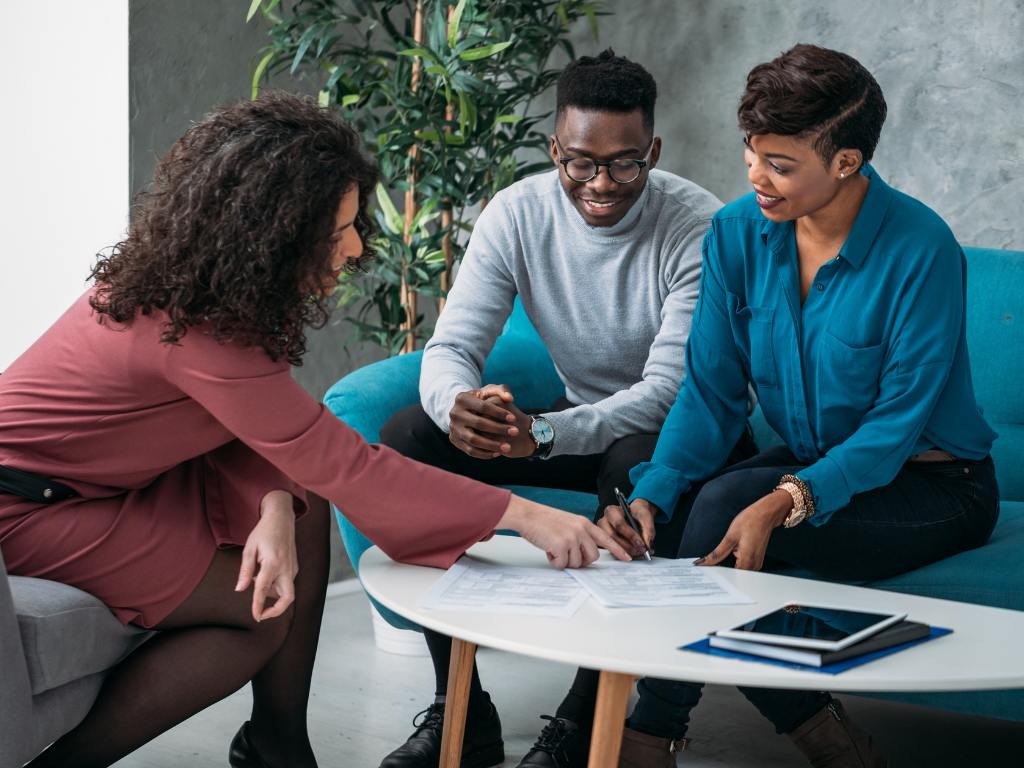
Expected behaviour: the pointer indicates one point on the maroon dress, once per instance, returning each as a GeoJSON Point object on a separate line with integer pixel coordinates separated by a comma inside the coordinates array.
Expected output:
{"type": "Point", "coordinates": [171, 448]}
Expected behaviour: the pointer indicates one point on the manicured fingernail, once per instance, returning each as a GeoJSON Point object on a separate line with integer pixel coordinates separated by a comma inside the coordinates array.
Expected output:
{"type": "Point", "coordinates": [700, 560]}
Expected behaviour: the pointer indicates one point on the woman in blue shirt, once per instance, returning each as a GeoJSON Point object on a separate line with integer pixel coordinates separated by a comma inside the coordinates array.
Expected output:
{"type": "Point", "coordinates": [841, 301]}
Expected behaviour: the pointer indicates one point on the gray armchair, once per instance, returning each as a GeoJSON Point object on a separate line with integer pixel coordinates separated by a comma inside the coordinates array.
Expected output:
{"type": "Point", "coordinates": [56, 645]}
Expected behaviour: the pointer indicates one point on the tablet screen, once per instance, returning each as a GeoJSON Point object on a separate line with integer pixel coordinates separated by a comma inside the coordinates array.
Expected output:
{"type": "Point", "coordinates": [813, 622]}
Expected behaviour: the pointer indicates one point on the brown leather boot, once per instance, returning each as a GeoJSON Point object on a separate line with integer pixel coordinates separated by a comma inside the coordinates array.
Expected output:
{"type": "Point", "coordinates": [829, 739]}
{"type": "Point", "coordinates": [642, 751]}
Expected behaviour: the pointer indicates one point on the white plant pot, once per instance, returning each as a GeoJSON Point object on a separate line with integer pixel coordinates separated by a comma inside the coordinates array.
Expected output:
{"type": "Point", "coordinates": [404, 642]}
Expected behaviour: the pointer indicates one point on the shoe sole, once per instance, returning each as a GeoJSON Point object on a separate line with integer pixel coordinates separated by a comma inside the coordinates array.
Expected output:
{"type": "Point", "coordinates": [488, 757]}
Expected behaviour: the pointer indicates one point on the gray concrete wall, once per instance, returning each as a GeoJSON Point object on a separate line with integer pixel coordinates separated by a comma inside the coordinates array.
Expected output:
{"type": "Point", "coordinates": [952, 74]}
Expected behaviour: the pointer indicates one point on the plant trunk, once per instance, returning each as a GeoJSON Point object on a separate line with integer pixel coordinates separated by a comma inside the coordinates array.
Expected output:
{"type": "Point", "coordinates": [446, 214]}
{"type": "Point", "coordinates": [407, 293]}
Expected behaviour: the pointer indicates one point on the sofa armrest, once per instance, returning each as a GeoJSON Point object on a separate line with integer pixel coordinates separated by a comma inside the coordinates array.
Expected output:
{"type": "Point", "coordinates": [15, 690]}
{"type": "Point", "coordinates": [366, 398]}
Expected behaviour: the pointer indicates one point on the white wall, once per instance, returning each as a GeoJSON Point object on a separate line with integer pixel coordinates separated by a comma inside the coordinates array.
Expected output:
{"type": "Point", "coordinates": [64, 142]}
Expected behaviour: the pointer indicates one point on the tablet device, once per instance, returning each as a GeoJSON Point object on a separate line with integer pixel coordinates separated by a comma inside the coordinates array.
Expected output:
{"type": "Point", "coordinates": [824, 628]}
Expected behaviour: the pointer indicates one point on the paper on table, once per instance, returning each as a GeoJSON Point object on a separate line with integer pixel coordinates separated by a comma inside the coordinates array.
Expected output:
{"type": "Point", "coordinates": [661, 582]}
{"type": "Point", "coordinates": [470, 585]}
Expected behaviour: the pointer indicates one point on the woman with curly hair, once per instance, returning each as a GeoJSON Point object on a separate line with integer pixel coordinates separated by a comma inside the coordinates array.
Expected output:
{"type": "Point", "coordinates": [160, 413]}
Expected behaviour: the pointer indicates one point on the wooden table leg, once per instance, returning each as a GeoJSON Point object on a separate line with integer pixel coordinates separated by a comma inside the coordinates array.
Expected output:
{"type": "Point", "coordinates": [460, 672]}
{"type": "Point", "coordinates": [612, 697]}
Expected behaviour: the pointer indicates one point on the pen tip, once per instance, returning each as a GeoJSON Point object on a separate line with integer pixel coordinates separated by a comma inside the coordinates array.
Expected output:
{"type": "Point", "coordinates": [648, 556]}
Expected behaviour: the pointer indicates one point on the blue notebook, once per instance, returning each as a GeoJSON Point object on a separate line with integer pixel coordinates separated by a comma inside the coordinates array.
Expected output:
{"type": "Point", "coordinates": [702, 646]}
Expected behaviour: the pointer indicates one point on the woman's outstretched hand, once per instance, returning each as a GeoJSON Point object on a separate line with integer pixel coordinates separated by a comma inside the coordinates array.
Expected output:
{"type": "Point", "coordinates": [269, 560]}
{"type": "Point", "coordinates": [747, 537]}
{"type": "Point", "coordinates": [569, 540]}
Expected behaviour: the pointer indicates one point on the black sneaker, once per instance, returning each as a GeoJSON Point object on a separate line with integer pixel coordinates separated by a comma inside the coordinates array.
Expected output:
{"type": "Point", "coordinates": [562, 744]}
{"type": "Point", "coordinates": [482, 746]}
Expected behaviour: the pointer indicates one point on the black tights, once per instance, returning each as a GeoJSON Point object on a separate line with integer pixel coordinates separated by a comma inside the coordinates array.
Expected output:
{"type": "Point", "coordinates": [209, 647]}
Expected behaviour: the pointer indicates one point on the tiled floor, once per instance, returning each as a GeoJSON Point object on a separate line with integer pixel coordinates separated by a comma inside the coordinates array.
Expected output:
{"type": "Point", "coordinates": [364, 701]}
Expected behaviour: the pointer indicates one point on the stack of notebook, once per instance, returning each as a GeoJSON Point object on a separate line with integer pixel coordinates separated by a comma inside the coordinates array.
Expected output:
{"type": "Point", "coordinates": [782, 650]}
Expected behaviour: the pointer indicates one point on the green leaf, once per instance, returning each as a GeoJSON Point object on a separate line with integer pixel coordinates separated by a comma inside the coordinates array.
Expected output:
{"type": "Point", "coordinates": [349, 99]}
{"type": "Point", "coordinates": [324, 98]}
{"type": "Point", "coordinates": [391, 214]}
{"type": "Point", "coordinates": [562, 13]}
{"type": "Point", "coordinates": [423, 53]}
{"type": "Point", "coordinates": [304, 42]}
{"type": "Point", "coordinates": [484, 51]}
{"type": "Point", "coordinates": [428, 135]}
{"type": "Point", "coordinates": [258, 73]}
{"type": "Point", "coordinates": [592, 18]}
{"type": "Point", "coordinates": [513, 119]}
{"type": "Point", "coordinates": [255, 6]}
{"type": "Point", "coordinates": [467, 113]}
{"type": "Point", "coordinates": [434, 257]}
{"type": "Point", "coordinates": [453, 26]}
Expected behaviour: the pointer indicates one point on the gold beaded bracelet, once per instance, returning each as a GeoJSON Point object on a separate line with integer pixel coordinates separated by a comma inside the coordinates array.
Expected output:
{"type": "Point", "coordinates": [803, 500]}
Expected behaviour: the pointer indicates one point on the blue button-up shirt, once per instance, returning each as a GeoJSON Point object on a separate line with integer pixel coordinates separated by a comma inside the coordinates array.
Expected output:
{"type": "Point", "coordinates": [870, 370]}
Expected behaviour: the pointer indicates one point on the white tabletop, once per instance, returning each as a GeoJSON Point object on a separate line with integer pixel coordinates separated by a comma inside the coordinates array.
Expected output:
{"type": "Point", "coordinates": [983, 653]}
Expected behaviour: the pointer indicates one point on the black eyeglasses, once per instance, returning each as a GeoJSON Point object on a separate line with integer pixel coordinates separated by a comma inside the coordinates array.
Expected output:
{"type": "Point", "coordinates": [622, 170]}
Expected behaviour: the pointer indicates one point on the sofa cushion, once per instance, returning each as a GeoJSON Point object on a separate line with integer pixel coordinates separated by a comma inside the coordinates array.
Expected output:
{"type": "Point", "coordinates": [989, 575]}
{"type": "Point", "coordinates": [66, 633]}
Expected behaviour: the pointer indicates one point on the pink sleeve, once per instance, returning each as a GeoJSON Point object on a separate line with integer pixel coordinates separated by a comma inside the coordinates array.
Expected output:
{"type": "Point", "coordinates": [414, 512]}
{"type": "Point", "coordinates": [236, 480]}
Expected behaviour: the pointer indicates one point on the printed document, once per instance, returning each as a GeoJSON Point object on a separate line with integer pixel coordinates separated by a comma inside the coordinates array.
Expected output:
{"type": "Point", "coordinates": [470, 585]}
{"type": "Point", "coordinates": [661, 582]}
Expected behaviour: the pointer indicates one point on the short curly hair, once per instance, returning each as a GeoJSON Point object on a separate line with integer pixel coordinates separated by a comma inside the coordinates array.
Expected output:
{"type": "Point", "coordinates": [234, 232]}
{"type": "Point", "coordinates": [810, 91]}
{"type": "Point", "coordinates": [609, 83]}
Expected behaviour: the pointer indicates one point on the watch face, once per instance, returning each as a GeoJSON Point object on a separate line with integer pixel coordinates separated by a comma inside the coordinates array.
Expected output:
{"type": "Point", "coordinates": [542, 431]}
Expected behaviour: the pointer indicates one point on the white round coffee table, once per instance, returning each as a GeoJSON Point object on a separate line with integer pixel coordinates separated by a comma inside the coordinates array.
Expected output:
{"type": "Point", "coordinates": [635, 642]}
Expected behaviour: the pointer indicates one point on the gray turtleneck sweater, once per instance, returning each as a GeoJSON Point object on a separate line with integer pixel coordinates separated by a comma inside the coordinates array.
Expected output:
{"type": "Point", "coordinates": [612, 304]}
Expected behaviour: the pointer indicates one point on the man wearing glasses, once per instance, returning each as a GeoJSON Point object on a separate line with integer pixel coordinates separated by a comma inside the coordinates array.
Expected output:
{"type": "Point", "coordinates": [604, 253]}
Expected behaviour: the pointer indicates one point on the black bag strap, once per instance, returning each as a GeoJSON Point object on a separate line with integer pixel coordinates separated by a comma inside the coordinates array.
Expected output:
{"type": "Point", "coordinates": [33, 487]}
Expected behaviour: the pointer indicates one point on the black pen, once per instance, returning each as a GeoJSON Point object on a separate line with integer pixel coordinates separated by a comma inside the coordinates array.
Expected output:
{"type": "Point", "coordinates": [631, 520]}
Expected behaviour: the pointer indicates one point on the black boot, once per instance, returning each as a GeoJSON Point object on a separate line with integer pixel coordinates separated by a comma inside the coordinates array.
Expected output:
{"type": "Point", "coordinates": [482, 746]}
{"type": "Point", "coordinates": [241, 753]}
{"type": "Point", "coordinates": [562, 744]}
{"type": "Point", "coordinates": [829, 739]}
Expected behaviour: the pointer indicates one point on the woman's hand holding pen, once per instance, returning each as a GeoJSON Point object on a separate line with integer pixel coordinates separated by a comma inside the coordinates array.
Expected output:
{"type": "Point", "coordinates": [615, 525]}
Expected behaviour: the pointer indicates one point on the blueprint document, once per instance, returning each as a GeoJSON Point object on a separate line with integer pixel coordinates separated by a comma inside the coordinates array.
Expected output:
{"type": "Point", "coordinates": [661, 582]}
{"type": "Point", "coordinates": [470, 585]}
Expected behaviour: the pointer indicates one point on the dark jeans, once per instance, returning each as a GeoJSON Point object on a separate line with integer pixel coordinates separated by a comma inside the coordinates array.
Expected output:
{"type": "Point", "coordinates": [931, 510]}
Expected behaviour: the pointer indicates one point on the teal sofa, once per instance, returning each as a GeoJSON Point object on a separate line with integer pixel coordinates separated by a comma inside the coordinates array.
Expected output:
{"type": "Point", "coordinates": [991, 575]}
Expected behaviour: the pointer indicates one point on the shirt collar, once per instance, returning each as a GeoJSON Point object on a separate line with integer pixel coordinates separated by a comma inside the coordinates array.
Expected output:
{"type": "Point", "coordinates": [865, 228]}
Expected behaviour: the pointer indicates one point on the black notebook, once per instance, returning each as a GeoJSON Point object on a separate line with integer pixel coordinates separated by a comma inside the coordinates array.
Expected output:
{"type": "Point", "coordinates": [904, 632]}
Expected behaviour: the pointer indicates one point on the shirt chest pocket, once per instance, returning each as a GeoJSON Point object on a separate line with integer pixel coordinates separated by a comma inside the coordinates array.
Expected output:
{"type": "Point", "coordinates": [848, 376]}
{"type": "Point", "coordinates": [752, 329]}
